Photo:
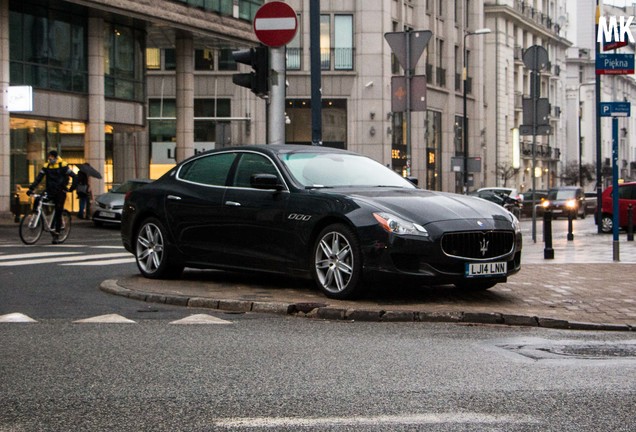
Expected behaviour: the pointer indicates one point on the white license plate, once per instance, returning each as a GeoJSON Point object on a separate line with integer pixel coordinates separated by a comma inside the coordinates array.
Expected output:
{"type": "Point", "coordinates": [486, 269]}
{"type": "Point", "coordinates": [107, 215]}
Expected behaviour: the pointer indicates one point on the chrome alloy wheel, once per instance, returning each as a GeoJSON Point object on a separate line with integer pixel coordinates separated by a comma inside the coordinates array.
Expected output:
{"type": "Point", "coordinates": [334, 262]}
{"type": "Point", "coordinates": [150, 248]}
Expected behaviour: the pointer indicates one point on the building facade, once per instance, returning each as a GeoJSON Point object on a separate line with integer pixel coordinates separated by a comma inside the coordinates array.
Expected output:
{"type": "Point", "coordinates": [581, 98]}
{"type": "Point", "coordinates": [509, 155]}
{"type": "Point", "coordinates": [85, 62]}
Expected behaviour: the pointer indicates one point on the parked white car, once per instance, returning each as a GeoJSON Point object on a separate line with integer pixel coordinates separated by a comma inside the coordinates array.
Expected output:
{"type": "Point", "coordinates": [108, 207]}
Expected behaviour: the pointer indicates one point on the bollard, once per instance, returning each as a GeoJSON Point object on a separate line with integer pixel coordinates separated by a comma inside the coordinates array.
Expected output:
{"type": "Point", "coordinates": [630, 223]}
{"type": "Point", "coordinates": [571, 215]}
{"type": "Point", "coordinates": [548, 252]}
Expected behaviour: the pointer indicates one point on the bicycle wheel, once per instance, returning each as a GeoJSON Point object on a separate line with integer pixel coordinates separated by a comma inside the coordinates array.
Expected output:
{"type": "Point", "coordinates": [30, 228]}
{"type": "Point", "coordinates": [66, 227]}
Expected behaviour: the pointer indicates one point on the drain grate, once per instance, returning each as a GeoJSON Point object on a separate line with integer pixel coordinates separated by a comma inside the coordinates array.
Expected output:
{"type": "Point", "coordinates": [574, 350]}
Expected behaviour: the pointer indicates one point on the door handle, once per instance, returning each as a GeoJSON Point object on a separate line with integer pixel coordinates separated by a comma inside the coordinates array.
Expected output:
{"type": "Point", "coordinates": [232, 203]}
{"type": "Point", "coordinates": [173, 197]}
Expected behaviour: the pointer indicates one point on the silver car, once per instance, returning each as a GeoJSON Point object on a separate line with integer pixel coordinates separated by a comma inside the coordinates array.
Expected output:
{"type": "Point", "coordinates": [108, 206]}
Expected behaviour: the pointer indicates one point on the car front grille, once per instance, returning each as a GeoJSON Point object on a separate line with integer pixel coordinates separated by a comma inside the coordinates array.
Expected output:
{"type": "Point", "coordinates": [478, 244]}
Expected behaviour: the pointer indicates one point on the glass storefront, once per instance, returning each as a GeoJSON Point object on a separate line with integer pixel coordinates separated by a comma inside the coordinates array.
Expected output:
{"type": "Point", "coordinates": [31, 139]}
{"type": "Point", "coordinates": [334, 122]}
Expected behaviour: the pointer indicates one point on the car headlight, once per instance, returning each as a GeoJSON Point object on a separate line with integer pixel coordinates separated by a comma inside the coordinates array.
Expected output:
{"type": "Point", "coordinates": [516, 225]}
{"type": "Point", "coordinates": [397, 225]}
{"type": "Point", "coordinates": [570, 204]}
{"type": "Point", "coordinates": [546, 203]}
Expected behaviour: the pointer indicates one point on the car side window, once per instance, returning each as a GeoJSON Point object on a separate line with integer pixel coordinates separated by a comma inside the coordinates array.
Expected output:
{"type": "Point", "coordinates": [250, 164]}
{"type": "Point", "coordinates": [208, 170]}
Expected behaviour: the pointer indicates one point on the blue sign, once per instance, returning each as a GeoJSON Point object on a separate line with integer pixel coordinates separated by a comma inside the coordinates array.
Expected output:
{"type": "Point", "coordinates": [616, 109]}
{"type": "Point", "coordinates": [614, 64]}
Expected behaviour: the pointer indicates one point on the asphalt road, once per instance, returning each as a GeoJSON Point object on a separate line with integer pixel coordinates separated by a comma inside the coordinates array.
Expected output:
{"type": "Point", "coordinates": [280, 373]}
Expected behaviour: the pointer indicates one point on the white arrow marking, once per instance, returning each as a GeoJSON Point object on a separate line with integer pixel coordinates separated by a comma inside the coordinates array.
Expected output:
{"type": "Point", "coordinates": [201, 319]}
{"type": "Point", "coordinates": [106, 319]}
{"type": "Point", "coordinates": [16, 318]}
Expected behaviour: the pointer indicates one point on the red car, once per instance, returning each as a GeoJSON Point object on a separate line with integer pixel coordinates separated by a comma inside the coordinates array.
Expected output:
{"type": "Point", "coordinates": [626, 196]}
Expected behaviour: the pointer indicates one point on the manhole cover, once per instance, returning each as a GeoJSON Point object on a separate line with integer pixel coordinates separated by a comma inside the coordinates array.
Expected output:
{"type": "Point", "coordinates": [574, 350]}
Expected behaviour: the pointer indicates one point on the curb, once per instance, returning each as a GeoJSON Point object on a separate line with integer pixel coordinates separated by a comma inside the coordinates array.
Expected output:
{"type": "Point", "coordinates": [325, 312]}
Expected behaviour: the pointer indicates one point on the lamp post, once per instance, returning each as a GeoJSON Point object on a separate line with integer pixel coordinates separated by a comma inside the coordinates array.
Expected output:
{"type": "Point", "coordinates": [480, 31]}
{"type": "Point", "coordinates": [580, 138]}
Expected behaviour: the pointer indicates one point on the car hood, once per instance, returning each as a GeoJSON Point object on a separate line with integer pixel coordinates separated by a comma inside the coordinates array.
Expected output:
{"type": "Point", "coordinates": [111, 199]}
{"type": "Point", "coordinates": [427, 207]}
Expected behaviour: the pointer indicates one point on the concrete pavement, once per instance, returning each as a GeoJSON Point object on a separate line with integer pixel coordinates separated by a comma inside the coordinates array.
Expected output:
{"type": "Point", "coordinates": [581, 288]}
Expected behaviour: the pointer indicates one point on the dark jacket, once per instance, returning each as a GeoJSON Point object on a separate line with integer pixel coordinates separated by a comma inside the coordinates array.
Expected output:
{"type": "Point", "coordinates": [57, 175]}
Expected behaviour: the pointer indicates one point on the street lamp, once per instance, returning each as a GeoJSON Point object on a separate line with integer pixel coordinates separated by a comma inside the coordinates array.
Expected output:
{"type": "Point", "coordinates": [580, 138]}
{"type": "Point", "coordinates": [480, 31]}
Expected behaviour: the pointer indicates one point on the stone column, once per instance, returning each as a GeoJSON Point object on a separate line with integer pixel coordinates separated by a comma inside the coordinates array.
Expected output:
{"type": "Point", "coordinates": [185, 95]}
{"type": "Point", "coordinates": [94, 141]}
{"type": "Point", "coordinates": [5, 135]}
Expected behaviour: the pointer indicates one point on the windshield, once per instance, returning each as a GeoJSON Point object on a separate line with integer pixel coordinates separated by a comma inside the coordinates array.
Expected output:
{"type": "Point", "coordinates": [561, 194]}
{"type": "Point", "coordinates": [315, 170]}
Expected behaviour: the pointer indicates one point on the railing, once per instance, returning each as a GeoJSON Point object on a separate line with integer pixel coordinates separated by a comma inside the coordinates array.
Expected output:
{"type": "Point", "coordinates": [440, 74]}
{"type": "Point", "coordinates": [341, 58]}
{"type": "Point", "coordinates": [294, 56]}
{"type": "Point", "coordinates": [542, 152]}
{"type": "Point", "coordinates": [540, 18]}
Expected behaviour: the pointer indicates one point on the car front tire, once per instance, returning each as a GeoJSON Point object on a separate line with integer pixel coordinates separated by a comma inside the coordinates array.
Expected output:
{"type": "Point", "coordinates": [151, 252]}
{"type": "Point", "coordinates": [337, 262]}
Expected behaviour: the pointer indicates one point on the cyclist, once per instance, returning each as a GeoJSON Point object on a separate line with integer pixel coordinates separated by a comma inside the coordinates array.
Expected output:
{"type": "Point", "coordinates": [57, 173]}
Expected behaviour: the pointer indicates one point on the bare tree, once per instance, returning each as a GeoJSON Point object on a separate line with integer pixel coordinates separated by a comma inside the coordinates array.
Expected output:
{"type": "Point", "coordinates": [505, 172]}
{"type": "Point", "coordinates": [571, 175]}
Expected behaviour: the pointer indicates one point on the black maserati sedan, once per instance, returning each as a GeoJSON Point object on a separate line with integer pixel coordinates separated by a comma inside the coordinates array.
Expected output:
{"type": "Point", "coordinates": [338, 217]}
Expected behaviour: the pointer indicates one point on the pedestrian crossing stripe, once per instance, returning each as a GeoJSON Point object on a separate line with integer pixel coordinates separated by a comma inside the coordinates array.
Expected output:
{"type": "Point", "coordinates": [102, 262]}
{"type": "Point", "coordinates": [36, 255]}
{"type": "Point", "coordinates": [61, 257]}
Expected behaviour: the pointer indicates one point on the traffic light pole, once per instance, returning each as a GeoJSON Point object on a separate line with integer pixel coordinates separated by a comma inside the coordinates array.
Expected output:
{"type": "Point", "coordinates": [276, 109]}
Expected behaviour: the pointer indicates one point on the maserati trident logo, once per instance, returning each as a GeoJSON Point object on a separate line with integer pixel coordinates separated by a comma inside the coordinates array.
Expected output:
{"type": "Point", "coordinates": [483, 246]}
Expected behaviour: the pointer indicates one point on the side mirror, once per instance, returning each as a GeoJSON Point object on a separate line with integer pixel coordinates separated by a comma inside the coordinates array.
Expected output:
{"type": "Point", "coordinates": [413, 180]}
{"type": "Point", "coordinates": [265, 181]}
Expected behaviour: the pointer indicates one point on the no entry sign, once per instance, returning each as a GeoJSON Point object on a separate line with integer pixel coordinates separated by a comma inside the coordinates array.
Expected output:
{"type": "Point", "coordinates": [275, 24]}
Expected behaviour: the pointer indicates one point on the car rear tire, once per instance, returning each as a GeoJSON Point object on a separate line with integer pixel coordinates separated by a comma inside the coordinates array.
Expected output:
{"type": "Point", "coordinates": [337, 262]}
{"type": "Point", "coordinates": [475, 285]}
{"type": "Point", "coordinates": [607, 223]}
{"type": "Point", "coordinates": [151, 252]}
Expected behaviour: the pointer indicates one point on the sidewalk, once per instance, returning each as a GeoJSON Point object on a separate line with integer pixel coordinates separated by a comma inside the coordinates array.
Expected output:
{"type": "Point", "coordinates": [581, 288]}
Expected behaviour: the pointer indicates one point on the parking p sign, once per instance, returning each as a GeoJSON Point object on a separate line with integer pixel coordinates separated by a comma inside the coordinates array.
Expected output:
{"type": "Point", "coordinates": [615, 109]}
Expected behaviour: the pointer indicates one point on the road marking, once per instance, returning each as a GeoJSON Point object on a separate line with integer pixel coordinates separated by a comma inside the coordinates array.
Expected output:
{"type": "Point", "coordinates": [201, 319]}
{"type": "Point", "coordinates": [407, 419]}
{"type": "Point", "coordinates": [65, 259]}
{"type": "Point", "coordinates": [16, 318]}
{"type": "Point", "coordinates": [102, 262]}
{"type": "Point", "coordinates": [106, 319]}
{"type": "Point", "coordinates": [36, 255]}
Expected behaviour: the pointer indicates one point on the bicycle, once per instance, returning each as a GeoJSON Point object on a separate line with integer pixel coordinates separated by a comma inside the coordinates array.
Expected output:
{"type": "Point", "coordinates": [41, 219]}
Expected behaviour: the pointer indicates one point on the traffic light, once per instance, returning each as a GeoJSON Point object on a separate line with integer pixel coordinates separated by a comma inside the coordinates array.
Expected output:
{"type": "Point", "coordinates": [258, 80]}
